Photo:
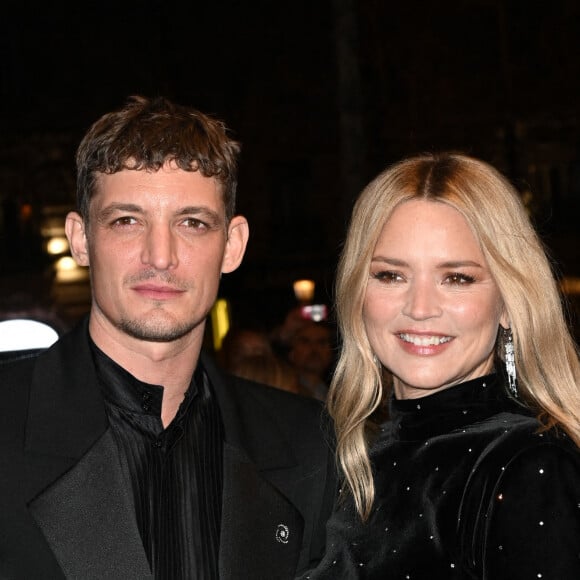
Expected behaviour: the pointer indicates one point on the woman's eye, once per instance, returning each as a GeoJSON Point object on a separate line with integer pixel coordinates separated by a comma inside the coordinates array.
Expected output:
{"type": "Point", "coordinates": [388, 276]}
{"type": "Point", "coordinates": [459, 279]}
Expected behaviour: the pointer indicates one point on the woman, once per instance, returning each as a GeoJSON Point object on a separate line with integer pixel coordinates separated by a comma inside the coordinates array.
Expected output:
{"type": "Point", "coordinates": [446, 302]}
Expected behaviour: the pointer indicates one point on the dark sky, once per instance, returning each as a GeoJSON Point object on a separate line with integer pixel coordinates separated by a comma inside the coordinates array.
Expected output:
{"type": "Point", "coordinates": [64, 62]}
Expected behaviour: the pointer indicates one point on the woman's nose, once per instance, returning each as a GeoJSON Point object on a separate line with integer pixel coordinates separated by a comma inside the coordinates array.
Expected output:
{"type": "Point", "coordinates": [422, 300]}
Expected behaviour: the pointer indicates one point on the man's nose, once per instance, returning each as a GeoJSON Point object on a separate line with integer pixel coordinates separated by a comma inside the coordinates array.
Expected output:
{"type": "Point", "coordinates": [160, 248]}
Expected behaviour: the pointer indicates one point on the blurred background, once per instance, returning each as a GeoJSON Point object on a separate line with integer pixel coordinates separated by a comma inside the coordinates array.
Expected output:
{"type": "Point", "coordinates": [323, 94]}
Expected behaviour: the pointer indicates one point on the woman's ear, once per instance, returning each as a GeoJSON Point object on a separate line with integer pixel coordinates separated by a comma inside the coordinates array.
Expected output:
{"type": "Point", "coordinates": [75, 230]}
{"type": "Point", "coordinates": [504, 319]}
{"type": "Point", "coordinates": [238, 234]}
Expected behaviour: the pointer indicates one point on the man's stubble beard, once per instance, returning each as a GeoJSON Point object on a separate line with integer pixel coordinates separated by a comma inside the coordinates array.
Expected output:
{"type": "Point", "coordinates": [156, 331]}
{"type": "Point", "coordinates": [157, 328]}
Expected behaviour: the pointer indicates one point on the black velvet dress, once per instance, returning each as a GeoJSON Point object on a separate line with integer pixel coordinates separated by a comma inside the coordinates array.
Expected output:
{"type": "Point", "coordinates": [465, 488]}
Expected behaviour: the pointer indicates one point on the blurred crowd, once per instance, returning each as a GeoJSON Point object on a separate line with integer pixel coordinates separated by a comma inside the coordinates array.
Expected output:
{"type": "Point", "coordinates": [297, 356]}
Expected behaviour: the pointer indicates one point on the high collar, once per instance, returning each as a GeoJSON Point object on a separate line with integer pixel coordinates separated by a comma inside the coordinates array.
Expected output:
{"type": "Point", "coordinates": [143, 401]}
{"type": "Point", "coordinates": [447, 410]}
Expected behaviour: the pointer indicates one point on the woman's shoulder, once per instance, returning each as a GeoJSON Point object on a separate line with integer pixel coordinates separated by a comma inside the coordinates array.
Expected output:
{"type": "Point", "coordinates": [523, 438]}
{"type": "Point", "coordinates": [524, 493]}
{"type": "Point", "coordinates": [547, 460]}
{"type": "Point", "coordinates": [524, 460]}
{"type": "Point", "coordinates": [523, 455]}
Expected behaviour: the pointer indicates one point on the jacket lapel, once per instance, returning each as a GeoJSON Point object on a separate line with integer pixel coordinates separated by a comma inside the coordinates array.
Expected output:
{"type": "Point", "coordinates": [74, 481]}
{"type": "Point", "coordinates": [261, 533]}
{"type": "Point", "coordinates": [88, 521]}
{"type": "Point", "coordinates": [262, 530]}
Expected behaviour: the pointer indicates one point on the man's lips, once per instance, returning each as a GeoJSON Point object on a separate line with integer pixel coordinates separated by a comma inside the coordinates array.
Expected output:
{"type": "Point", "coordinates": [157, 291]}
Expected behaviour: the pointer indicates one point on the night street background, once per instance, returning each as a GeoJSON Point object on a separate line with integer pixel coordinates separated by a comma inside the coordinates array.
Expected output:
{"type": "Point", "coordinates": [323, 94]}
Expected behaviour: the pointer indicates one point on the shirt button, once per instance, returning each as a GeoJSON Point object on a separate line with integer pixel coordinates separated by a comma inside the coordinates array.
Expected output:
{"type": "Point", "coordinates": [157, 443]}
{"type": "Point", "coordinates": [146, 398]}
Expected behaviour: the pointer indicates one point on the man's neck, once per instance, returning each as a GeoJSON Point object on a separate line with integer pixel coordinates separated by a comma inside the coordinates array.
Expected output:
{"type": "Point", "coordinates": [170, 365]}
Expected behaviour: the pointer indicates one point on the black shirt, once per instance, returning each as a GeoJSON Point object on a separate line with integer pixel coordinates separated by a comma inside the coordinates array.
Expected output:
{"type": "Point", "coordinates": [174, 474]}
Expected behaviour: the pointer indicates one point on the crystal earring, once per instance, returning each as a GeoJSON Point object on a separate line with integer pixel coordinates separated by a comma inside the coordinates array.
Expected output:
{"type": "Point", "coordinates": [510, 361]}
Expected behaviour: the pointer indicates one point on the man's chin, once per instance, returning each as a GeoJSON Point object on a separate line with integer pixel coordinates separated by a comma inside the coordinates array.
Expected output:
{"type": "Point", "coordinates": [151, 331]}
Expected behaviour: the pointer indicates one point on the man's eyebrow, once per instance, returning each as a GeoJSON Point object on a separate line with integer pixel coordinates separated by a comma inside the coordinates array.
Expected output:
{"type": "Point", "coordinates": [109, 210]}
{"type": "Point", "coordinates": [197, 209]}
{"type": "Point", "coordinates": [211, 215]}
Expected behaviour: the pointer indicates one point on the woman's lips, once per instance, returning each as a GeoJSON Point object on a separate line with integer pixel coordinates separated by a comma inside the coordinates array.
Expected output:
{"type": "Point", "coordinates": [424, 344]}
{"type": "Point", "coordinates": [424, 339]}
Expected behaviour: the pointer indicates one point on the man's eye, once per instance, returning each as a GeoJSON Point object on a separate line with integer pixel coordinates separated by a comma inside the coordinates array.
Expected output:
{"type": "Point", "coordinates": [388, 276]}
{"type": "Point", "coordinates": [195, 224]}
{"type": "Point", "coordinates": [124, 221]}
{"type": "Point", "coordinates": [459, 279]}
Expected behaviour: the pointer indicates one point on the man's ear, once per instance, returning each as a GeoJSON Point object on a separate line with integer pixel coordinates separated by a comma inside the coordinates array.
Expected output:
{"type": "Point", "coordinates": [238, 234]}
{"type": "Point", "coordinates": [74, 227]}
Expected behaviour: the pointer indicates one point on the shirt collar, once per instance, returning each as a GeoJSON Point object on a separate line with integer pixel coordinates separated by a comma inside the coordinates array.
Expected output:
{"type": "Point", "coordinates": [122, 389]}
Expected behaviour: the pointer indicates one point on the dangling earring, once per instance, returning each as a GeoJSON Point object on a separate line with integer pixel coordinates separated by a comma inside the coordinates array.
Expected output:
{"type": "Point", "coordinates": [510, 361]}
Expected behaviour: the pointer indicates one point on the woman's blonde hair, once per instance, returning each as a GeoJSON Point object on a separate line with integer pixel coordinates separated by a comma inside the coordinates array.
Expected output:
{"type": "Point", "coordinates": [547, 362]}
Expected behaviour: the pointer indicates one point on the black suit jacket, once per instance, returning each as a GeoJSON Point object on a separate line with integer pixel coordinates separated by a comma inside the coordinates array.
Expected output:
{"type": "Point", "coordinates": [64, 508]}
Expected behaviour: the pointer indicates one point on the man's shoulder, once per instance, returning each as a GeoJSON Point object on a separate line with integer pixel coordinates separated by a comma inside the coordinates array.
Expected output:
{"type": "Point", "coordinates": [291, 412]}
{"type": "Point", "coordinates": [273, 395]}
{"type": "Point", "coordinates": [263, 412]}
{"type": "Point", "coordinates": [242, 389]}
{"type": "Point", "coordinates": [15, 380]}
{"type": "Point", "coordinates": [17, 366]}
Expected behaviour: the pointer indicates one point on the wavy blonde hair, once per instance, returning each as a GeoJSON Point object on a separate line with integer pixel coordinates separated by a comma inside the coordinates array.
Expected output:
{"type": "Point", "coordinates": [547, 363]}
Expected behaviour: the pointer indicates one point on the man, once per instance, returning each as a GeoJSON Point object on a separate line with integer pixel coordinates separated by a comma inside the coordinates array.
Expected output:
{"type": "Point", "coordinates": [311, 355]}
{"type": "Point", "coordinates": [126, 454]}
